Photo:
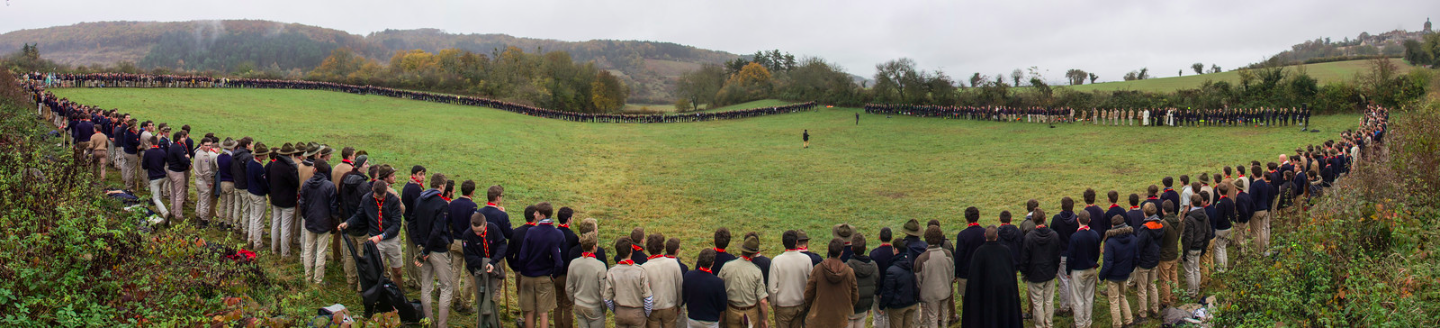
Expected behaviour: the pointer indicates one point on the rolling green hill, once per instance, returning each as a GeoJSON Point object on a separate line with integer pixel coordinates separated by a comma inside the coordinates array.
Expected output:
{"type": "Point", "coordinates": [1324, 72]}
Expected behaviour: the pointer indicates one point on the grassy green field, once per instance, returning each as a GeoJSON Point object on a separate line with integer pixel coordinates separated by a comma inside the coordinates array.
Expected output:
{"type": "Point", "coordinates": [670, 108]}
{"type": "Point", "coordinates": [749, 175]}
{"type": "Point", "coordinates": [1324, 72]}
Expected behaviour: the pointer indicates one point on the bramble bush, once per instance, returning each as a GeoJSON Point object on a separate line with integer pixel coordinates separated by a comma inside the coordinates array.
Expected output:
{"type": "Point", "coordinates": [72, 257]}
{"type": "Point", "coordinates": [1362, 255]}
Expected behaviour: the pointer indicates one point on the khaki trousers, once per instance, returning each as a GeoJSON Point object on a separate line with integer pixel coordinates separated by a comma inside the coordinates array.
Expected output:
{"type": "Point", "coordinates": [858, 320]}
{"type": "Point", "coordinates": [281, 219]}
{"type": "Point", "coordinates": [227, 202]}
{"type": "Point", "coordinates": [99, 159]}
{"type": "Point", "coordinates": [1192, 273]}
{"type": "Point", "coordinates": [903, 317]}
{"type": "Point", "coordinates": [932, 314]}
{"type": "Point", "coordinates": [437, 267]}
{"type": "Point", "coordinates": [789, 317]}
{"type": "Point", "coordinates": [159, 200]}
{"type": "Point", "coordinates": [590, 317]}
{"type": "Point", "coordinates": [177, 193]}
{"type": "Point", "coordinates": [628, 317]}
{"type": "Point", "coordinates": [1168, 281]}
{"type": "Point", "coordinates": [735, 317]}
{"type": "Point", "coordinates": [1145, 288]}
{"type": "Point", "coordinates": [1119, 306]}
{"type": "Point", "coordinates": [312, 255]}
{"type": "Point", "coordinates": [255, 212]}
{"type": "Point", "coordinates": [1260, 231]}
{"type": "Point", "coordinates": [564, 306]}
{"type": "Point", "coordinates": [1083, 295]}
{"type": "Point", "coordinates": [130, 171]}
{"type": "Point", "coordinates": [661, 318]}
{"type": "Point", "coordinates": [1042, 302]}
{"type": "Point", "coordinates": [457, 269]}
{"type": "Point", "coordinates": [204, 197]}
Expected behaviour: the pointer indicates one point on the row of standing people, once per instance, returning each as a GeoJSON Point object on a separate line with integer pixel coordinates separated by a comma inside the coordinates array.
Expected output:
{"type": "Point", "coordinates": [902, 288]}
{"type": "Point", "coordinates": [1263, 116]}
{"type": "Point", "coordinates": [102, 80]}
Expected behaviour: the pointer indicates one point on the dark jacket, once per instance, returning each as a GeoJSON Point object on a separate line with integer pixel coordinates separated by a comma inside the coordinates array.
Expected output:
{"type": "Point", "coordinates": [1104, 221]}
{"type": "Point", "coordinates": [177, 158]}
{"type": "Point", "coordinates": [1147, 238]}
{"type": "Point", "coordinates": [899, 289]}
{"type": "Point", "coordinates": [704, 295]}
{"type": "Point", "coordinates": [1170, 241]}
{"type": "Point", "coordinates": [884, 256]}
{"type": "Point", "coordinates": [490, 246]}
{"type": "Point", "coordinates": [460, 211]}
{"type": "Point", "coordinates": [1225, 211]}
{"type": "Point", "coordinates": [516, 241]}
{"type": "Point", "coordinates": [540, 252]}
{"type": "Point", "coordinates": [1011, 237]}
{"type": "Point", "coordinates": [720, 259]}
{"type": "Point", "coordinates": [132, 142]}
{"type": "Point", "coordinates": [1084, 250]}
{"type": "Point", "coordinates": [1119, 254]}
{"type": "Point", "coordinates": [408, 195]}
{"type": "Point", "coordinates": [284, 182]}
{"type": "Point", "coordinates": [319, 204]}
{"type": "Point", "coordinates": [1064, 225]}
{"type": "Point", "coordinates": [353, 186]}
{"type": "Point", "coordinates": [1096, 212]}
{"type": "Point", "coordinates": [966, 242]}
{"type": "Point", "coordinates": [1134, 217]}
{"type": "Point", "coordinates": [1244, 207]}
{"type": "Point", "coordinates": [239, 163]}
{"type": "Point", "coordinates": [1197, 230]}
{"type": "Point", "coordinates": [154, 163]}
{"type": "Point", "coordinates": [368, 217]}
{"type": "Point", "coordinates": [255, 176]}
{"type": "Point", "coordinates": [429, 222]}
{"type": "Point", "coordinates": [1039, 257]}
{"type": "Point", "coordinates": [572, 240]}
{"type": "Point", "coordinates": [502, 220]}
{"type": "Point", "coordinates": [867, 279]}
{"type": "Point", "coordinates": [1173, 197]}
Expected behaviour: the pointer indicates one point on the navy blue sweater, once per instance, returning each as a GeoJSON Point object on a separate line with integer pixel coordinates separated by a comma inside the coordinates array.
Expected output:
{"type": "Point", "coordinates": [256, 182]}
{"type": "Point", "coordinates": [704, 296]}
{"type": "Point", "coordinates": [492, 246]}
{"type": "Point", "coordinates": [1261, 194]}
{"type": "Point", "coordinates": [154, 163]}
{"type": "Point", "coordinates": [500, 219]}
{"type": "Point", "coordinates": [966, 242]}
{"type": "Point", "coordinates": [1084, 250]}
{"type": "Point", "coordinates": [460, 211]}
{"type": "Point", "coordinates": [540, 252]}
{"type": "Point", "coordinates": [883, 256]}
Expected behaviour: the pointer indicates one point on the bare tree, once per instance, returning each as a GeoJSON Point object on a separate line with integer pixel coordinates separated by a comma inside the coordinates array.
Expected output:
{"type": "Point", "coordinates": [1016, 75]}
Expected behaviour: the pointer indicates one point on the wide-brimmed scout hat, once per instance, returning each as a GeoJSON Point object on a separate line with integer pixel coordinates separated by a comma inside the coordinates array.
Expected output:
{"type": "Point", "coordinates": [911, 228]}
{"type": "Point", "coordinates": [287, 149]}
{"type": "Point", "coordinates": [229, 144]}
{"type": "Point", "coordinates": [261, 150]}
{"type": "Point", "coordinates": [843, 231]}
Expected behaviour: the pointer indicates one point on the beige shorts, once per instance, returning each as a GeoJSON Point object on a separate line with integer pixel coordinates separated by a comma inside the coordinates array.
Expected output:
{"type": "Point", "coordinates": [390, 251]}
{"type": "Point", "coordinates": [537, 294]}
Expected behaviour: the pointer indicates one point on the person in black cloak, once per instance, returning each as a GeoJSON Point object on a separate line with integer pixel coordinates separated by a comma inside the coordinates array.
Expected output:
{"type": "Point", "coordinates": [994, 298]}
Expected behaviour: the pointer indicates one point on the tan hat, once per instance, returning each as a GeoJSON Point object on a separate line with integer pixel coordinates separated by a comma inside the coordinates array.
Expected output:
{"type": "Point", "coordinates": [260, 150]}
{"type": "Point", "coordinates": [229, 143]}
{"type": "Point", "coordinates": [312, 149]}
{"type": "Point", "coordinates": [801, 236]}
{"type": "Point", "coordinates": [911, 228]}
{"type": "Point", "coordinates": [751, 245]}
{"type": "Point", "coordinates": [842, 231]}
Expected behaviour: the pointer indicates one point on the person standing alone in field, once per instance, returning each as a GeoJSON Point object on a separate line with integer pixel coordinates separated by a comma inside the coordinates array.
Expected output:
{"type": "Point", "coordinates": [806, 136]}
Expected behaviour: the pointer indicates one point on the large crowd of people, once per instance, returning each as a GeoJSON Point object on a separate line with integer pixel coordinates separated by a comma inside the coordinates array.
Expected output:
{"type": "Point", "coordinates": [1172, 116]}
{"type": "Point", "coordinates": [125, 80]}
{"type": "Point", "coordinates": [430, 228]}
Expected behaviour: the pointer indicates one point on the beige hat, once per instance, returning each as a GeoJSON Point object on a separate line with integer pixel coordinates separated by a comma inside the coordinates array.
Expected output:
{"type": "Point", "coordinates": [751, 245]}
{"type": "Point", "coordinates": [843, 231]}
{"type": "Point", "coordinates": [911, 228]}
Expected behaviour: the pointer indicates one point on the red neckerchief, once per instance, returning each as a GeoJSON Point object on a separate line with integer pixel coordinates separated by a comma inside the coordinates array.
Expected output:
{"type": "Point", "coordinates": [1114, 205]}
{"type": "Point", "coordinates": [587, 254]}
{"type": "Point", "coordinates": [1169, 189]}
{"type": "Point", "coordinates": [565, 225]}
{"type": "Point", "coordinates": [1134, 207]}
{"type": "Point", "coordinates": [719, 250]}
{"type": "Point", "coordinates": [1083, 227]}
{"type": "Point", "coordinates": [416, 181]}
{"type": "Point", "coordinates": [1004, 224]}
{"type": "Point", "coordinates": [794, 249]}
{"type": "Point", "coordinates": [485, 241]}
{"type": "Point", "coordinates": [530, 223]}
{"type": "Point", "coordinates": [154, 146]}
{"type": "Point", "coordinates": [1038, 226]}
{"type": "Point", "coordinates": [803, 249]}
{"type": "Point", "coordinates": [973, 224]}
{"type": "Point", "coordinates": [1222, 196]}
{"type": "Point", "coordinates": [747, 258]}
{"type": "Point", "coordinates": [380, 214]}
{"type": "Point", "coordinates": [1152, 197]}
{"type": "Point", "coordinates": [346, 161]}
{"type": "Point", "coordinates": [652, 257]}
{"type": "Point", "coordinates": [636, 248]}
{"type": "Point", "coordinates": [447, 200]}
{"type": "Point", "coordinates": [495, 206]}
{"type": "Point", "coordinates": [707, 270]}
{"type": "Point", "coordinates": [626, 262]}
{"type": "Point", "coordinates": [884, 244]}
{"type": "Point", "coordinates": [669, 256]}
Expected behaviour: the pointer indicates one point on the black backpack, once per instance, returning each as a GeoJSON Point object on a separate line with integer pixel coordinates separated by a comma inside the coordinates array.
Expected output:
{"type": "Point", "coordinates": [380, 294]}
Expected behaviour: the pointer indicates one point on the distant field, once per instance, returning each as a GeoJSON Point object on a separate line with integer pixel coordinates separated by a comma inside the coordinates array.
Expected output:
{"type": "Point", "coordinates": [670, 108]}
{"type": "Point", "coordinates": [1325, 72]}
{"type": "Point", "coordinates": [684, 180]}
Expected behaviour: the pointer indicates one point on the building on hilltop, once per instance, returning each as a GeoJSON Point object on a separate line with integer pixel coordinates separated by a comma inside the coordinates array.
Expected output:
{"type": "Point", "coordinates": [1427, 25]}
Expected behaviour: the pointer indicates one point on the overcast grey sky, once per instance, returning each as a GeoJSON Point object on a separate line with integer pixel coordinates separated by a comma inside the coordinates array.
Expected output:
{"type": "Point", "coordinates": [958, 37]}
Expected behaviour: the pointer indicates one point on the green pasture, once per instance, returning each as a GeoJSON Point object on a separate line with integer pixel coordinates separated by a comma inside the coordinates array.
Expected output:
{"type": "Point", "coordinates": [1162, 81]}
